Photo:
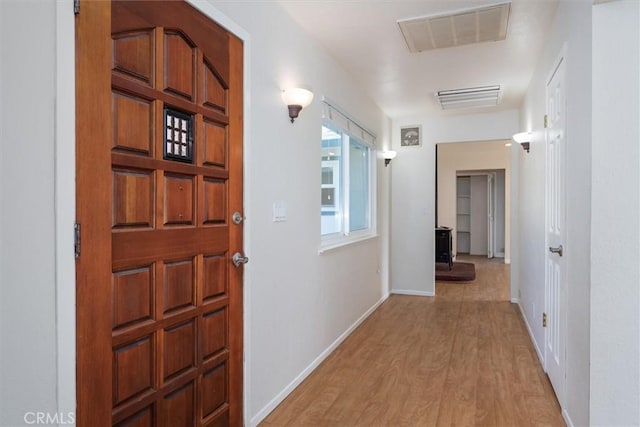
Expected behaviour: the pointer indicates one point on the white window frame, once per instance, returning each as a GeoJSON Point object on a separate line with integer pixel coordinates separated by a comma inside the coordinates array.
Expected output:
{"type": "Point", "coordinates": [337, 119]}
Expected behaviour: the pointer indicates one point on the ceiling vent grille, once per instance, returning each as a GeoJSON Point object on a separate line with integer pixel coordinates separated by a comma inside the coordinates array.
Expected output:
{"type": "Point", "coordinates": [486, 96]}
{"type": "Point", "coordinates": [477, 25]}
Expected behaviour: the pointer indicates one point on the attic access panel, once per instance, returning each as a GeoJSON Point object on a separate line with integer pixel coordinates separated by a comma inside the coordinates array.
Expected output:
{"type": "Point", "coordinates": [476, 25]}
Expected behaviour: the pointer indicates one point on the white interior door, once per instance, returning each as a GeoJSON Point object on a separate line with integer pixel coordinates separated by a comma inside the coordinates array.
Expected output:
{"type": "Point", "coordinates": [479, 230]}
{"type": "Point", "coordinates": [555, 283]}
{"type": "Point", "coordinates": [491, 201]}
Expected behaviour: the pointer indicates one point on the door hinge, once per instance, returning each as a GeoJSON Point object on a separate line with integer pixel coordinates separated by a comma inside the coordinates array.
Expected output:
{"type": "Point", "coordinates": [76, 7]}
{"type": "Point", "coordinates": [546, 121]}
{"type": "Point", "coordinates": [76, 239]}
{"type": "Point", "coordinates": [544, 320]}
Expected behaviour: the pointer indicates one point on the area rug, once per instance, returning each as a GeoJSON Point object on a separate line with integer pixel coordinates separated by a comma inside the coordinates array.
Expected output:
{"type": "Point", "coordinates": [461, 272]}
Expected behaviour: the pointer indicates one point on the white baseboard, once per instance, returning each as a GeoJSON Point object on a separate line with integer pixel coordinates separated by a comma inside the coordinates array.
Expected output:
{"type": "Point", "coordinates": [565, 414]}
{"type": "Point", "coordinates": [516, 301]}
{"type": "Point", "coordinates": [262, 414]}
{"type": "Point", "coordinates": [414, 293]}
{"type": "Point", "coordinates": [507, 260]}
{"type": "Point", "coordinates": [567, 418]}
{"type": "Point", "coordinates": [533, 339]}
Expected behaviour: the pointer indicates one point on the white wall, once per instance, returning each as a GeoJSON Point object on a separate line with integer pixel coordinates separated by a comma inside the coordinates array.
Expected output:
{"type": "Point", "coordinates": [470, 156]}
{"type": "Point", "coordinates": [28, 364]}
{"type": "Point", "coordinates": [299, 302]}
{"type": "Point", "coordinates": [572, 27]}
{"type": "Point", "coordinates": [413, 191]}
{"type": "Point", "coordinates": [615, 240]}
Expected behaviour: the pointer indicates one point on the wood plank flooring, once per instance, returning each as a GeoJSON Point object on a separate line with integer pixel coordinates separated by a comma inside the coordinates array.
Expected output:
{"type": "Point", "coordinates": [462, 358]}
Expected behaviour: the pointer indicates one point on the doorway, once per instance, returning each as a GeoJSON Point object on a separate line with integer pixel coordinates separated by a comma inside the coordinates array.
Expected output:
{"type": "Point", "coordinates": [480, 213]}
{"type": "Point", "coordinates": [482, 157]}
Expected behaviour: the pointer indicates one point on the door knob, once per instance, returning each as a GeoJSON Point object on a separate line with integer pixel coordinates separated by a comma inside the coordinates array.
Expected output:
{"type": "Point", "coordinates": [238, 259]}
{"type": "Point", "coordinates": [557, 250]}
{"type": "Point", "coordinates": [237, 218]}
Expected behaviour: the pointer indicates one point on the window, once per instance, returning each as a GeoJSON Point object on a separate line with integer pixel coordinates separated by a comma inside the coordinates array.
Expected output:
{"type": "Point", "coordinates": [347, 187]}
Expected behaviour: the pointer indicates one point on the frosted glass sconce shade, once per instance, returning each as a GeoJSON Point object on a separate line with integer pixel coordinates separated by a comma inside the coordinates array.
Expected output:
{"type": "Point", "coordinates": [388, 156]}
{"type": "Point", "coordinates": [296, 99]}
{"type": "Point", "coordinates": [524, 139]}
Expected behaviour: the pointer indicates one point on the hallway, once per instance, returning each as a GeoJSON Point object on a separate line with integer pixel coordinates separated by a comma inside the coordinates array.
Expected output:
{"type": "Point", "coordinates": [461, 358]}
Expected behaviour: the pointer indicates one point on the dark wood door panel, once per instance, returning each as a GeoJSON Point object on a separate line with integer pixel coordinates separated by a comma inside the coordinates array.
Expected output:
{"type": "Point", "coordinates": [173, 301]}
{"type": "Point", "coordinates": [179, 65]}
{"type": "Point", "coordinates": [133, 119]}
{"type": "Point", "coordinates": [134, 55]}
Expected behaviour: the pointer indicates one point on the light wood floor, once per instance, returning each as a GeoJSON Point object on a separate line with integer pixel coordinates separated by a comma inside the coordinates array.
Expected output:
{"type": "Point", "coordinates": [463, 358]}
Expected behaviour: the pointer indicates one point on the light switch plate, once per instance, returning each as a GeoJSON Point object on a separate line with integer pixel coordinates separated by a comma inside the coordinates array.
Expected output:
{"type": "Point", "coordinates": [279, 211]}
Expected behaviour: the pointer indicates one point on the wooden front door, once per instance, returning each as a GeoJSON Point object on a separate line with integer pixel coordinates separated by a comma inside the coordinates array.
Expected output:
{"type": "Point", "coordinates": [159, 175]}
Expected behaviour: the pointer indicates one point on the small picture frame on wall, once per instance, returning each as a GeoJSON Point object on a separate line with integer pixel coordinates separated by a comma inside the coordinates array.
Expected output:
{"type": "Point", "coordinates": [410, 136]}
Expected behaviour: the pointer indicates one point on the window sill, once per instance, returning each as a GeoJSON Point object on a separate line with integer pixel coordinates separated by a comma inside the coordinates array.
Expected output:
{"type": "Point", "coordinates": [332, 244]}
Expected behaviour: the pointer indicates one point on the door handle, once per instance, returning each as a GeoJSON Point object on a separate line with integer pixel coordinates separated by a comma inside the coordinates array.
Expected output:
{"type": "Point", "coordinates": [237, 218]}
{"type": "Point", "coordinates": [238, 259]}
{"type": "Point", "coordinates": [557, 250]}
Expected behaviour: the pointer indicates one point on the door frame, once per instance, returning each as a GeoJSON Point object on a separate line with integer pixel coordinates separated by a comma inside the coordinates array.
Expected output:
{"type": "Point", "coordinates": [65, 205]}
{"type": "Point", "coordinates": [491, 174]}
{"type": "Point", "coordinates": [491, 214]}
{"type": "Point", "coordinates": [561, 60]}
{"type": "Point", "coordinates": [65, 195]}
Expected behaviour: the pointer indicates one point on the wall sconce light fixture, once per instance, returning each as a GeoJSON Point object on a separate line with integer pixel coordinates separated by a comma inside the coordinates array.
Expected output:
{"type": "Point", "coordinates": [296, 98]}
{"type": "Point", "coordinates": [388, 156]}
{"type": "Point", "coordinates": [524, 139]}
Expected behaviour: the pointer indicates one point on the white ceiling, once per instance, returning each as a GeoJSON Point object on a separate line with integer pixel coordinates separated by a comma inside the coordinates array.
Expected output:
{"type": "Point", "coordinates": [364, 37]}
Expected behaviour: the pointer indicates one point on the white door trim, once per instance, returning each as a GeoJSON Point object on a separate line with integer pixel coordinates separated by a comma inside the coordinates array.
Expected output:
{"type": "Point", "coordinates": [491, 214]}
{"type": "Point", "coordinates": [65, 206]}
